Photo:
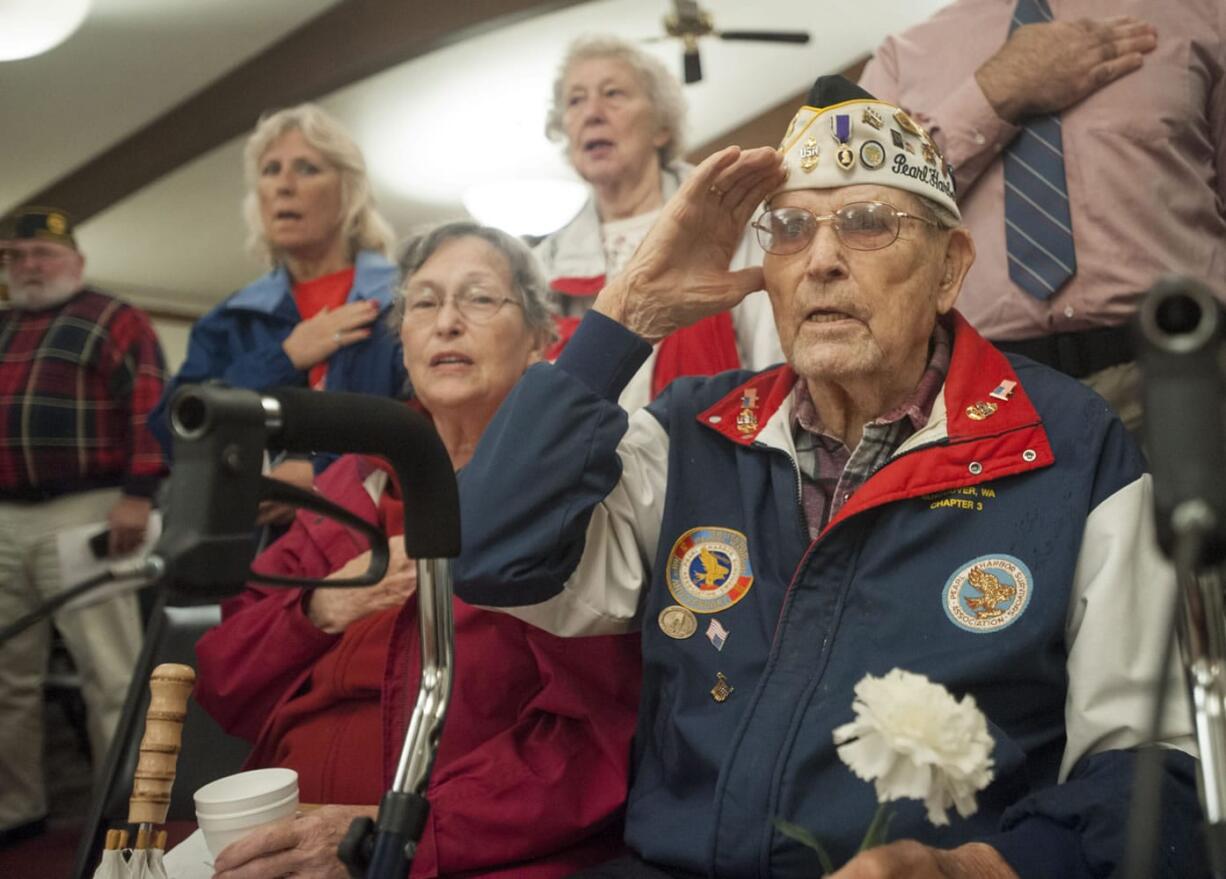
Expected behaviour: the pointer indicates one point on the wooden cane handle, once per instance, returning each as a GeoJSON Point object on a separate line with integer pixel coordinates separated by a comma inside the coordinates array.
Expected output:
{"type": "Point", "coordinates": [170, 685]}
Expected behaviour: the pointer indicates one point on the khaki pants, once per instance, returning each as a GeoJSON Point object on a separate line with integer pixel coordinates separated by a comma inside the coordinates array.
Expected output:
{"type": "Point", "coordinates": [104, 641]}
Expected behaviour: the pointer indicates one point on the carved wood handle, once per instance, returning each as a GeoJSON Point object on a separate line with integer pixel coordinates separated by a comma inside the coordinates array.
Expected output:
{"type": "Point", "coordinates": [169, 688]}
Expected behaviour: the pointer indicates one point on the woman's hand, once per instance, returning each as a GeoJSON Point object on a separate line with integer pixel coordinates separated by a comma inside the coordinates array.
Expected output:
{"type": "Point", "coordinates": [332, 610]}
{"type": "Point", "coordinates": [303, 846]}
{"type": "Point", "coordinates": [680, 274]}
{"type": "Point", "coordinates": [315, 340]}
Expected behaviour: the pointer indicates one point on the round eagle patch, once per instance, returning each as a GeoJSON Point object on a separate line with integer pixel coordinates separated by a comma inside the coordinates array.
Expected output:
{"type": "Point", "coordinates": [708, 569]}
{"type": "Point", "coordinates": [988, 593]}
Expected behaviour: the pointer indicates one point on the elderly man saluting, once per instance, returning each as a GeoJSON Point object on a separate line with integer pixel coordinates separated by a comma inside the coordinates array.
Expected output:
{"type": "Point", "coordinates": [898, 495]}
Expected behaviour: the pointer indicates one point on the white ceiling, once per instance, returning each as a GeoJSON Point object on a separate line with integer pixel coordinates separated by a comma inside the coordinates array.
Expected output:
{"type": "Point", "coordinates": [468, 113]}
{"type": "Point", "coordinates": [131, 61]}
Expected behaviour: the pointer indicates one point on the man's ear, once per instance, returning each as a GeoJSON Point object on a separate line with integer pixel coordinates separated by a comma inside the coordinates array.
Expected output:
{"type": "Point", "coordinates": [958, 258]}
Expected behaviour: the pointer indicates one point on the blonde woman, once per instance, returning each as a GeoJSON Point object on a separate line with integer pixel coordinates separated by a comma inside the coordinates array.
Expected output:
{"type": "Point", "coordinates": [314, 319]}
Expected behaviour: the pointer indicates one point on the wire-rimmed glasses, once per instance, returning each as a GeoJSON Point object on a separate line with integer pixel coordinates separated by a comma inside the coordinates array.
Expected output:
{"type": "Point", "coordinates": [861, 225]}
{"type": "Point", "coordinates": [474, 304]}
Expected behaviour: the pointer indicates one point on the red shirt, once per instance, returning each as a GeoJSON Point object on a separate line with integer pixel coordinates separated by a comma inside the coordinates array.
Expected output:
{"type": "Point", "coordinates": [312, 297]}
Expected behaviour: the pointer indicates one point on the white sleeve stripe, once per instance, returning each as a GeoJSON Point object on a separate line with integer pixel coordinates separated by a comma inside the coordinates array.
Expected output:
{"type": "Point", "coordinates": [567, 615]}
{"type": "Point", "coordinates": [602, 596]}
{"type": "Point", "coordinates": [1123, 589]}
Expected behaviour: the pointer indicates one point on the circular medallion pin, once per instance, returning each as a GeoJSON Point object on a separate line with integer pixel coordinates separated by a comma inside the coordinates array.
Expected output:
{"type": "Point", "coordinates": [709, 569]}
{"type": "Point", "coordinates": [677, 622]}
{"type": "Point", "coordinates": [872, 155]}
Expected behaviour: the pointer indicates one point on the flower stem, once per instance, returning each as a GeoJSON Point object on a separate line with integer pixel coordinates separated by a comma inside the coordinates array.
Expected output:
{"type": "Point", "coordinates": [878, 829]}
{"type": "Point", "coordinates": [798, 833]}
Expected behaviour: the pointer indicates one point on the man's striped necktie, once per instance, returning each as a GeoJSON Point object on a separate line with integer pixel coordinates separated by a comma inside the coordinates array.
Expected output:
{"type": "Point", "coordinates": [1038, 231]}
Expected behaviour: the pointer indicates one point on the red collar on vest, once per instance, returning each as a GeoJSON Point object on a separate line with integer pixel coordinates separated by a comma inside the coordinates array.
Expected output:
{"type": "Point", "coordinates": [1008, 440]}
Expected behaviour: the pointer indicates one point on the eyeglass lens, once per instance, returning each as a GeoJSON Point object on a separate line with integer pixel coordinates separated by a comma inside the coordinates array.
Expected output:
{"type": "Point", "coordinates": [474, 305]}
{"type": "Point", "coordinates": [860, 226]}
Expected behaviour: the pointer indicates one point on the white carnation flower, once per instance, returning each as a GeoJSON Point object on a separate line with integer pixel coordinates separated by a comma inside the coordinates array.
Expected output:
{"type": "Point", "coordinates": [913, 740]}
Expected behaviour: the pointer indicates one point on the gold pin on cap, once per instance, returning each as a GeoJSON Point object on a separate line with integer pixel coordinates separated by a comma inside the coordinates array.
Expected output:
{"type": "Point", "coordinates": [722, 689]}
{"type": "Point", "coordinates": [809, 154]}
{"type": "Point", "coordinates": [907, 124]}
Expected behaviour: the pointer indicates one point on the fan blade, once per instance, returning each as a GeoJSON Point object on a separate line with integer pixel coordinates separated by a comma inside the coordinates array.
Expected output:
{"type": "Point", "coordinates": [693, 67]}
{"type": "Point", "coordinates": [766, 36]}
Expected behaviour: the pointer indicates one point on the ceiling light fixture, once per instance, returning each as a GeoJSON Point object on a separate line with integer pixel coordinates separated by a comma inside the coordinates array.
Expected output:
{"type": "Point", "coordinates": [31, 27]}
{"type": "Point", "coordinates": [525, 207]}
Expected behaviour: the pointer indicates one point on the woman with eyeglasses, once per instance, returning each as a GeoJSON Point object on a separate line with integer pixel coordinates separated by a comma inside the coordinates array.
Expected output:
{"type": "Point", "coordinates": [533, 764]}
{"type": "Point", "coordinates": [621, 115]}
{"type": "Point", "coordinates": [313, 320]}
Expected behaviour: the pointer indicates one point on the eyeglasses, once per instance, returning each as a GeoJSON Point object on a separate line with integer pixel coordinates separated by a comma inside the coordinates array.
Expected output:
{"type": "Point", "coordinates": [475, 305]}
{"type": "Point", "coordinates": [39, 253]}
{"type": "Point", "coordinates": [861, 225]}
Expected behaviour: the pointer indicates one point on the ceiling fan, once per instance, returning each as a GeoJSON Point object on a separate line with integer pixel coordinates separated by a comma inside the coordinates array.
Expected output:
{"type": "Point", "coordinates": [688, 22]}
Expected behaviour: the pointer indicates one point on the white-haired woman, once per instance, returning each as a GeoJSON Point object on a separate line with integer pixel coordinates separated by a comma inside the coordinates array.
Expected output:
{"type": "Point", "coordinates": [532, 769]}
{"type": "Point", "coordinates": [313, 319]}
{"type": "Point", "coordinates": [622, 115]}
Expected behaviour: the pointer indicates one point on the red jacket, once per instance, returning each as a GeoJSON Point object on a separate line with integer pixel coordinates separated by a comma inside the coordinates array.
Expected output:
{"type": "Point", "coordinates": [533, 764]}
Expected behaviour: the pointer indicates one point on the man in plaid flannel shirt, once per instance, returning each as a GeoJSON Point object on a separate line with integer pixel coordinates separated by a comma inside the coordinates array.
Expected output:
{"type": "Point", "coordinates": [79, 372]}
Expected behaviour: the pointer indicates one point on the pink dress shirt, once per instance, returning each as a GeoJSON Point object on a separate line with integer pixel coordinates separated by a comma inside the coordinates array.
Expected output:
{"type": "Point", "coordinates": [1145, 158]}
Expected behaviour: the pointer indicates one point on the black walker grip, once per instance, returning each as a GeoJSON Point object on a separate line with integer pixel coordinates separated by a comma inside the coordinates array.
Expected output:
{"type": "Point", "coordinates": [320, 422]}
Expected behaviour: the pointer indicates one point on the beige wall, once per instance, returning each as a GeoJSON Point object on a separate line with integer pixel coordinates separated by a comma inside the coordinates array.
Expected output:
{"type": "Point", "coordinates": [172, 333]}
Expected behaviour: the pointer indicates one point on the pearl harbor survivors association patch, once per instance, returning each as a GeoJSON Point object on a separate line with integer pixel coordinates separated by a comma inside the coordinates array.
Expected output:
{"type": "Point", "coordinates": [988, 593]}
{"type": "Point", "coordinates": [709, 570]}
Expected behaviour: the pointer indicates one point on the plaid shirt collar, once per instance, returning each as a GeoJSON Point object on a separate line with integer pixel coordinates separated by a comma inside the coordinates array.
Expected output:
{"type": "Point", "coordinates": [830, 472]}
